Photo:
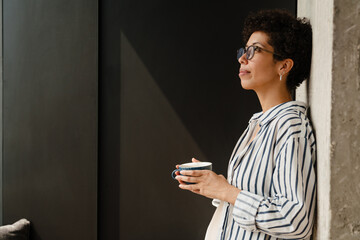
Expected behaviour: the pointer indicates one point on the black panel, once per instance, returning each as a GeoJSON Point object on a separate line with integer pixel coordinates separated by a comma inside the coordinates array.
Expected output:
{"type": "Point", "coordinates": [50, 116]}
{"type": "Point", "coordinates": [109, 120]}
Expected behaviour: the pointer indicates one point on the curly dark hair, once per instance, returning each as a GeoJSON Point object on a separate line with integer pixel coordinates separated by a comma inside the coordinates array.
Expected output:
{"type": "Point", "coordinates": [289, 36]}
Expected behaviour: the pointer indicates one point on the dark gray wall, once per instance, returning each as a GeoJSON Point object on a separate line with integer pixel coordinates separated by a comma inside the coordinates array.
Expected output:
{"type": "Point", "coordinates": [169, 91]}
{"type": "Point", "coordinates": [1, 120]}
{"type": "Point", "coordinates": [50, 116]}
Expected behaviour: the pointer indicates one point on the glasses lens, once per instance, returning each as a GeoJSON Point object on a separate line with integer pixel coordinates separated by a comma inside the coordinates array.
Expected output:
{"type": "Point", "coordinates": [240, 52]}
{"type": "Point", "coordinates": [250, 52]}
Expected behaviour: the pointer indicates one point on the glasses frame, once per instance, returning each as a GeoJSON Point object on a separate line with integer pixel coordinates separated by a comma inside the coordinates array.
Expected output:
{"type": "Point", "coordinates": [250, 52]}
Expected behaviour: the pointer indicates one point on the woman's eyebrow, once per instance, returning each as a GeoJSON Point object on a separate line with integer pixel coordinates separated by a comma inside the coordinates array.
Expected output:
{"type": "Point", "coordinates": [254, 44]}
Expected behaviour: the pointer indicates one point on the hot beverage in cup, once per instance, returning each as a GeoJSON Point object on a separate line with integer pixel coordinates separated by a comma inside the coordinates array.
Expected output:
{"type": "Point", "coordinates": [193, 166]}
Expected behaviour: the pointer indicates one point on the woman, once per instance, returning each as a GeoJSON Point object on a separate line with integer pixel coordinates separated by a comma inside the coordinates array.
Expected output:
{"type": "Point", "coordinates": [271, 187]}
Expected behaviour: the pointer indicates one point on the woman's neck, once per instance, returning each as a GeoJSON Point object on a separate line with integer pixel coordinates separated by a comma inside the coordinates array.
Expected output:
{"type": "Point", "coordinates": [269, 99]}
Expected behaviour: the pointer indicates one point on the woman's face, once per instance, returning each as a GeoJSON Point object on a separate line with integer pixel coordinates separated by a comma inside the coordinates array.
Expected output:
{"type": "Point", "coordinates": [261, 72]}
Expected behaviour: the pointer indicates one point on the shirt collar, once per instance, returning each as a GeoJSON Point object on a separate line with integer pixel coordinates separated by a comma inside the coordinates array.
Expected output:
{"type": "Point", "coordinates": [271, 113]}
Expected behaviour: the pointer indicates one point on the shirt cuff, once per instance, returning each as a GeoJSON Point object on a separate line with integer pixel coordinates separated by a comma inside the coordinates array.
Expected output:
{"type": "Point", "coordinates": [245, 209]}
{"type": "Point", "coordinates": [215, 202]}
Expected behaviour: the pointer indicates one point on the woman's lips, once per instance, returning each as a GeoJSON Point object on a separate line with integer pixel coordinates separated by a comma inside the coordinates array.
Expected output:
{"type": "Point", "coordinates": [243, 72]}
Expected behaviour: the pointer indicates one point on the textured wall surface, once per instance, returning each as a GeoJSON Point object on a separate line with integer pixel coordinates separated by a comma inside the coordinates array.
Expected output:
{"type": "Point", "coordinates": [317, 93]}
{"type": "Point", "coordinates": [345, 118]}
{"type": "Point", "coordinates": [333, 94]}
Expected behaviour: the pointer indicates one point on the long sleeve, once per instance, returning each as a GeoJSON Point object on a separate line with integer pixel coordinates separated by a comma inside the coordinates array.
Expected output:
{"type": "Point", "coordinates": [289, 212]}
{"type": "Point", "coordinates": [275, 172]}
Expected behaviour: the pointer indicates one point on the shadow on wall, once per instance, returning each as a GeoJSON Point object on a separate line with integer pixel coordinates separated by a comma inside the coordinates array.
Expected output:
{"type": "Point", "coordinates": [189, 50]}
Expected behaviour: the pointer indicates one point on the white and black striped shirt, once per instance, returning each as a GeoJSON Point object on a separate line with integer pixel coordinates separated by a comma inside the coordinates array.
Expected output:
{"type": "Point", "coordinates": [276, 173]}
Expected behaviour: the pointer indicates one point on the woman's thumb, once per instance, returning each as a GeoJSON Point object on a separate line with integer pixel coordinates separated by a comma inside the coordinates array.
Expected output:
{"type": "Point", "coordinates": [194, 160]}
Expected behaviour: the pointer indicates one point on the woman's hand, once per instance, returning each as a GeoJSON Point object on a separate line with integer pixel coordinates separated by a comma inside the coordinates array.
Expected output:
{"type": "Point", "coordinates": [208, 184]}
{"type": "Point", "coordinates": [178, 173]}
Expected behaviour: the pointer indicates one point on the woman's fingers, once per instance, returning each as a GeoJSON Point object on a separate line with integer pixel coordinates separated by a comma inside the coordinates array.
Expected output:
{"type": "Point", "coordinates": [190, 187]}
{"type": "Point", "coordinates": [187, 179]}
{"type": "Point", "coordinates": [192, 176]}
{"type": "Point", "coordinates": [194, 173]}
{"type": "Point", "coordinates": [194, 160]}
{"type": "Point", "coordinates": [181, 182]}
{"type": "Point", "coordinates": [206, 183]}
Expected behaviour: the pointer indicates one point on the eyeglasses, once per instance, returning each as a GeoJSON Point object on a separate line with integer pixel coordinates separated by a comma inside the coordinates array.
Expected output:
{"type": "Point", "coordinates": [250, 52]}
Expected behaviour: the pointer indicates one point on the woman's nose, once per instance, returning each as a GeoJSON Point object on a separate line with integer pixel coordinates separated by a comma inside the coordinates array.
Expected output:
{"type": "Point", "coordinates": [242, 59]}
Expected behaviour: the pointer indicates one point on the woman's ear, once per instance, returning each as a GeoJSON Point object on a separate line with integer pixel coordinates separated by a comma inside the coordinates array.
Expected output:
{"type": "Point", "coordinates": [285, 66]}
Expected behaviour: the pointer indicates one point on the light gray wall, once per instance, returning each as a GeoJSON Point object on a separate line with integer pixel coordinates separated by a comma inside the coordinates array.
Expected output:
{"type": "Point", "coordinates": [50, 81]}
{"type": "Point", "coordinates": [334, 96]}
{"type": "Point", "coordinates": [317, 92]}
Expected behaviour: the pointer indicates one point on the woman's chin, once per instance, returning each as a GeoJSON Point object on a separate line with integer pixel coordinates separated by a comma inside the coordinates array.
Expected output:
{"type": "Point", "coordinates": [245, 85]}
